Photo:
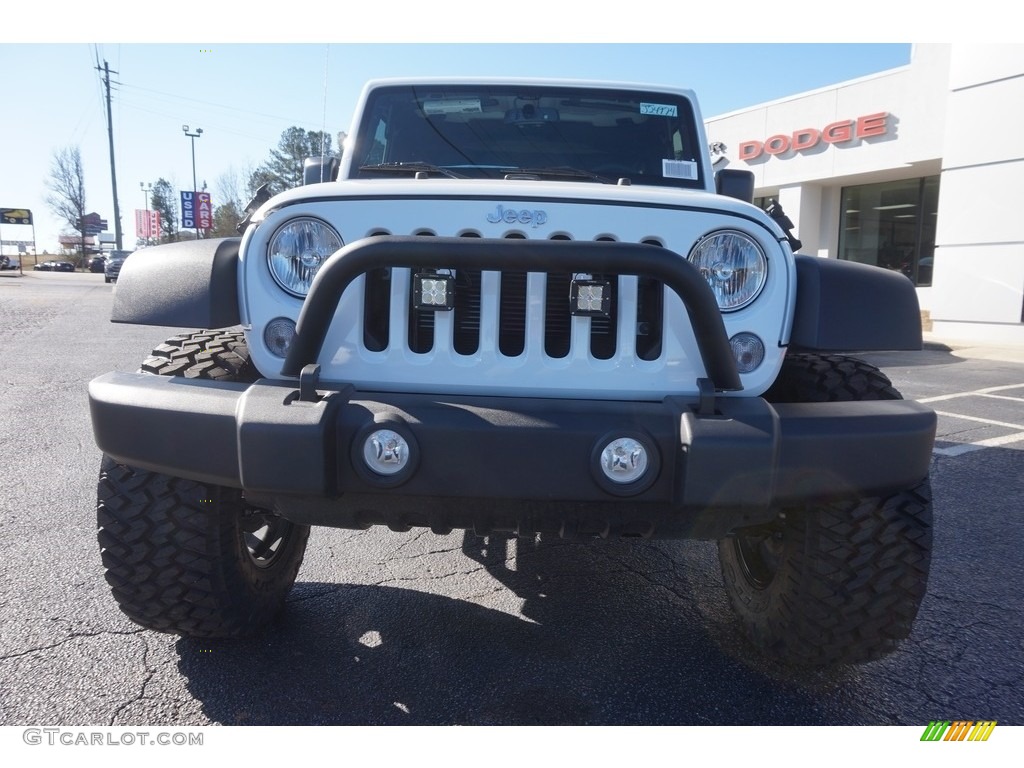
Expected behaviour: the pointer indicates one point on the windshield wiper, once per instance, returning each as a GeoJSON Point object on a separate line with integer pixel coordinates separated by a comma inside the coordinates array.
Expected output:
{"type": "Point", "coordinates": [561, 172]}
{"type": "Point", "coordinates": [412, 167]}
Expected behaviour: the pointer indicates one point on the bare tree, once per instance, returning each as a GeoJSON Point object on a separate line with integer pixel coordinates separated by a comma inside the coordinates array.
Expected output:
{"type": "Point", "coordinates": [230, 187]}
{"type": "Point", "coordinates": [230, 196]}
{"type": "Point", "coordinates": [67, 189]}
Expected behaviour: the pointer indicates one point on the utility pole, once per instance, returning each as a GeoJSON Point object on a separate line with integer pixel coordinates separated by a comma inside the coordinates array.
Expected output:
{"type": "Point", "coordinates": [146, 189]}
{"type": "Point", "coordinates": [195, 212]}
{"type": "Point", "coordinates": [113, 173]}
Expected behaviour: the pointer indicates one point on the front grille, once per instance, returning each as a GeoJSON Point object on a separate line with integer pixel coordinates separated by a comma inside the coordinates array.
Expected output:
{"type": "Point", "coordinates": [645, 303]}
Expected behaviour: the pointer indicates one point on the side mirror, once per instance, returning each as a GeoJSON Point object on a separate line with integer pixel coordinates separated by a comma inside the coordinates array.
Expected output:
{"type": "Point", "coordinates": [319, 169]}
{"type": "Point", "coordinates": [733, 182]}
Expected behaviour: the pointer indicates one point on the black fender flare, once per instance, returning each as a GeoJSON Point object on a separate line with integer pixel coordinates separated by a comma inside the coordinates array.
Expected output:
{"type": "Point", "coordinates": [191, 284]}
{"type": "Point", "coordinates": [844, 306]}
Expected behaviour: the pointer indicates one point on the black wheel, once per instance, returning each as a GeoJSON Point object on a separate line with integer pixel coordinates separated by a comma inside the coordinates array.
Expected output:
{"type": "Point", "coordinates": [838, 582]}
{"type": "Point", "coordinates": [187, 557]}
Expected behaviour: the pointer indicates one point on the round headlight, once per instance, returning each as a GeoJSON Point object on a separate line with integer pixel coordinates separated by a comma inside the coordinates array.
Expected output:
{"type": "Point", "coordinates": [297, 250]}
{"type": "Point", "coordinates": [734, 266]}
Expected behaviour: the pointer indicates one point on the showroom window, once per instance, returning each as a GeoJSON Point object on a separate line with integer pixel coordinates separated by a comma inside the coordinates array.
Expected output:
{"type": "Point", "coordinates": [892, 225]}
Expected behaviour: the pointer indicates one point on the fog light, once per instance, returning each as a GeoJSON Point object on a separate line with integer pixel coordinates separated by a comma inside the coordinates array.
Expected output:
{"type": "Point", "coordinates": [590, 298]}
{"type": "Point", "coordinates": [386, 452]}
{"type": "Point", "coordinates": [747, 350]}
{"type": "Point", "coordinates": [624, 460]}
{"type": "Point", "coordinates": [278, 336]}
{"type": "Point", "coordinates": [433, 291]}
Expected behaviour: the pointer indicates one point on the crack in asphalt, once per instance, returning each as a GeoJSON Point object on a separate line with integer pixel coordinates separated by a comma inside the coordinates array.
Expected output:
{"type": "Point", "coordinates": [150, 674]}
{"type": "Point", "coordinates": [628, 568]}
{"type": "Point", "coordinates": [419, 535]}
{"type": "Point", "coordinates": [974, 604]}
{"type": "Point", "coordinates": [69, 638]}
{"type": "Point", "coordinates": [396, 579]}
{"type": "Point", "coordinates": [419, 555]}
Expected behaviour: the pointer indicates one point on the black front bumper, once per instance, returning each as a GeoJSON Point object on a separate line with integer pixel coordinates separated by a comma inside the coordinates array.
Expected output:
{"type": "Point", "coordinates": [500, 463]}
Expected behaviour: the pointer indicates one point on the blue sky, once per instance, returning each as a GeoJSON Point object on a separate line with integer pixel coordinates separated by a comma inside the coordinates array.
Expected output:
{"type": "Point", "coordinates": [244, 95]}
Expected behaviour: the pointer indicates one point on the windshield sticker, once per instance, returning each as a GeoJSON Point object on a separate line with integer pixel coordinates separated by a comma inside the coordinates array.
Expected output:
{"type": "Point", "coordinates": [664, 110]}
{"type": "Point", "coordinates": [450, 106]}
{"type": "Point", "coordinates": [679, 169]}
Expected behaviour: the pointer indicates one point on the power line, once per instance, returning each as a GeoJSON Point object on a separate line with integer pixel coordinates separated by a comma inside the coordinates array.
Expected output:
{"type": "Point", "coordinates": [215, 104]}
{"type": "Point", "coordinates": [220, 129]}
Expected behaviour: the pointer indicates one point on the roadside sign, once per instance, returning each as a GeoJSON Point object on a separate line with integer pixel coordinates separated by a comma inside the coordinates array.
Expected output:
{"type": "Point", "coordinates": [15, 216]}
{"type": "Point", "coordinates": [92, 224]}
{"type": "Point", "coordinates": [188, 210]}
{"type": "Point", "coordinates": [204, 210]}
{"type": "Point", "coordinates": [196, 210]}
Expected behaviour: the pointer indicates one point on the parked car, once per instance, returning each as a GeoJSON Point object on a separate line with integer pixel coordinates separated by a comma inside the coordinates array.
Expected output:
{"type": "Point", "coordinates": [97, 264]}
{"type": "Point", "coordinates": [113, 265]}
{"type": "Point", "coordinates": [10, 262]}
{"type": "Point", "coordinates": [54, 266]}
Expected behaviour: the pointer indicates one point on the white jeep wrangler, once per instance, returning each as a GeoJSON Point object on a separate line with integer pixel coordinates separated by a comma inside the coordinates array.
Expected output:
{"type": "Point", "coordinates": [524, 306]}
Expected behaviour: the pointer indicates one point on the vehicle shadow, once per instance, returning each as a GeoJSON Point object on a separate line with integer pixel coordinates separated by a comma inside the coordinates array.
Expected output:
{"type": "Point", "coordinates": [580, 633]}
{"type": "Point", "coordinates": [932, 354]}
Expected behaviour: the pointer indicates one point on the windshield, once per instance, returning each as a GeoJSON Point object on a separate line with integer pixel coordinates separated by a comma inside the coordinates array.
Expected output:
{"type": "Point", "coordinates": [560, 133]}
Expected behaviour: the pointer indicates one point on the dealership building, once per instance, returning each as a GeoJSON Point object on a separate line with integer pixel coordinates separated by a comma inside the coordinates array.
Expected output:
{"type": "Point", "coordinates": [918, 169]}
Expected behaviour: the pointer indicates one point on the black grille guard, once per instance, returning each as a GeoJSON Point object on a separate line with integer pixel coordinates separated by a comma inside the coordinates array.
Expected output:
{"type": "Point", "coordinates": [346, 264]}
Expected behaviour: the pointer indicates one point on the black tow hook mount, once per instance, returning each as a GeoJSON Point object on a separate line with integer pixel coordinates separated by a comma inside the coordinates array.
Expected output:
{"type": "Point", "coordinates": [706, 393]}
{"type": "Point", "coordinates": [309, 379]}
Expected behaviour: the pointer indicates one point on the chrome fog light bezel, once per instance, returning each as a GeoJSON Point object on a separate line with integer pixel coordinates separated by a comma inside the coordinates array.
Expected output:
{"type": "Point", "coordinates": [628, 487]}
{"type": "Point", "coordinates": [363, 462]}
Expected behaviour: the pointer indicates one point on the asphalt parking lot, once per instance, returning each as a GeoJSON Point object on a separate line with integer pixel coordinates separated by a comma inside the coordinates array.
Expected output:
{"type": "Point", "coordinates": [416, 628]}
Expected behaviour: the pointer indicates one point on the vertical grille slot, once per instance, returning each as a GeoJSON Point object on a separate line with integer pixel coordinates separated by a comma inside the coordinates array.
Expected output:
{"type": "Point", "coordinates": [649, 318]}
{"type": "Point", "coordinates": [650, 315]}
{"type": "Point", "coordinates": [602, 329]}
{"type": "Point", "coordinates": [376, 308]}
{"type": "Point", "coordinates": [512, 314]}
{"type": "Point", "coordinates": [421, 327]}
{"type": "Point", "coordinates": [467, 311]}
{"type": "Point", "coordinates": [557, 316]}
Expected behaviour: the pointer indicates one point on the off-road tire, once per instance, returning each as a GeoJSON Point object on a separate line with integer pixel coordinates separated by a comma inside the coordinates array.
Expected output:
{"type": "Point", "coordinates": [217, 355]}
{"type": "Point", "coordinates": [186, 557]}
{"type": "Point", "coordinates": [838, 582]}
{"type": "Point", "coordinates": [810, 378]}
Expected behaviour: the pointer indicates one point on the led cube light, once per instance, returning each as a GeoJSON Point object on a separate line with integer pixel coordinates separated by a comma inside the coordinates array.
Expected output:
{"type": "Point", "coordinates": [433, 291]}
{"type": "Point", "coordinates": [590, 298]}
